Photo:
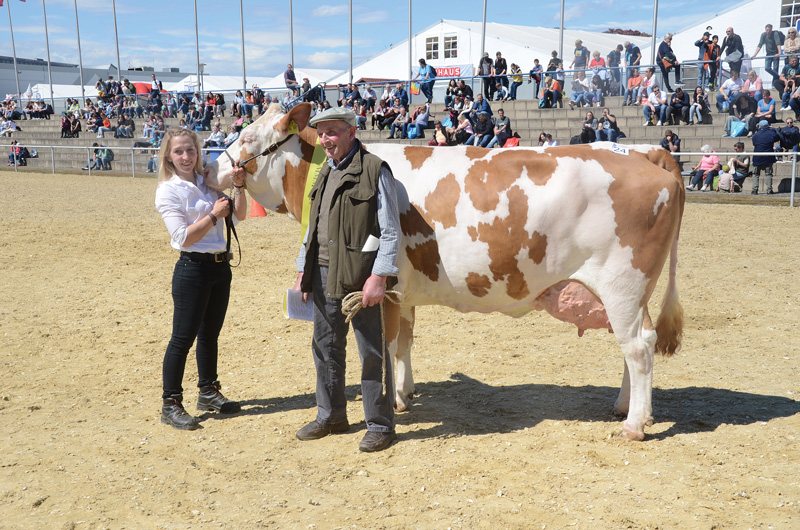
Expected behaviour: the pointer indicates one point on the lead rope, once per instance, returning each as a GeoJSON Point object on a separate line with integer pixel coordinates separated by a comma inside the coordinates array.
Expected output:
{"type": "Point", "coordinates": [351, 304]}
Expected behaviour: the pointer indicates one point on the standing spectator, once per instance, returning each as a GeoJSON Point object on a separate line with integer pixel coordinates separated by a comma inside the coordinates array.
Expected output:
{"type": "Point", "coordinates": [555, 62]}
{"type": "Point", "coordinates": [699, 107]}
{"type": "Point", "coordinates": [728, 90]}
{"type": "Point", "coordinates": [791, 46]}
{"type": "Point", "coordinates": [631, 96]}
{"type": "Point", "coordinates": [426, 77]}
{"type": "Point", "coordinates": [607, 127]}
{"type": "Point", "coordinates": [486, 71]}
{"type": "Point", "coordinates": [614, 60]}
{"type": "Point", "coordinates": [734, 50]}
{"type": "Point", "coordinates": [656, 103]}
{"type": "Point", "coordinates": [706, 169]}
{"type": "Point", "coordinates": [155, 86]}
{"type": "Point", "coordinates": [502, 129]}
{"type": "Point", "coordinates": [633, 57]}
{"type": "Point", "coordinates": [289, 79]}
{"type": "Point", "coordinates": [764, 142]}
{"type": "Point", "coordinates": [580, 56]}
{"type": "Point", "coordinates": [678, 108]}
{"type": "Point", "coordinates": [667, 61]}
{"type": "Point", "coordinates": [516, 81]}
{"type": "Point", "coordinates": [702, 69]}
{"type": "Point", "coordinates": [771, 42]}
{"type": "Point", "coordinates": [500, 70]}
{"type": "Point", "coordinates": [535, 76]}
{"type": "Point", "coordinates": [712, 58]}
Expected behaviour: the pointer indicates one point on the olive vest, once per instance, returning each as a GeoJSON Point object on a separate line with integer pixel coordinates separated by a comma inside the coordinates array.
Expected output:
{"type": "Point", "coordinates": [352, 218]}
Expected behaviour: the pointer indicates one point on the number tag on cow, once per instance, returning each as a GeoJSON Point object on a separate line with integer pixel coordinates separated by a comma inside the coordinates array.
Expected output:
{"type": "Point", "coordinates": [621, 149]}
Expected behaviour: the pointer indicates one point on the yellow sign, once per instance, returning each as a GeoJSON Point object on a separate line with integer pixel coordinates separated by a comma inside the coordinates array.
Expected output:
{"type": "Point", "coordinates": [317, 159]}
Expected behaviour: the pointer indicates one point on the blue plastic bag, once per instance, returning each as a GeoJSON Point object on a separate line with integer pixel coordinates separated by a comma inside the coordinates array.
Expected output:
{"type": "Point", "coordinates": [738, 128]}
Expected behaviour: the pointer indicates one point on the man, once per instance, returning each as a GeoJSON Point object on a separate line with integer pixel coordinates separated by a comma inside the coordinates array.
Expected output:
{"type": "Point", "coordinates": [155, 86]}
{"type": "Point", "coordinates": [400, 123]}
{"type": "Point", "coordinates": [613, 60]}
{"type": "Point", "coordinates": [500, 70]}
{"type": "Point", "coordinates": [290, 80]}
{"type": "Point", "coordinates": [401, 93]}
{"type": "Point", "coordinates": [727, 90]}
{"type": "Point", "coordinates": [734, 51]}
{"type": "Point", "coordinates": [632, 57]}
{"type": "Point", "coordinates": [369, 98]}
{"type": "Point", "coordinates": [764, 142]}
{"type": "Point", "coordinates": [671, 142]}
{"type": "Point", "coordinates": [581, 56]}
{"type": "Point", "coordinates": [678, 108]}
{"type": "Point", "coordinates": [607, 127]}
{"type": "Point", "coordinates": [481, 105]}
{"type": "Point", "coordinates": [464, 89]}
{"type": "Point", "coordinates": [786, 83]}
{"type": "Point", "coordinates": [350, 245]}
{"type": "Point", "coordinates": [535, 76]}
{"type": "Point", "coordinates": [502, 129]}
{"type": "Point", "coordinates": [655, 104]}
{"type": "Point", "coordinates": [667, 61]}
{"type": "Point", "coordinates": [481, 131]}
{"type": "Point", "coordinates": [739, 164]}
{"type": "Point", "coordinates": [771, 41]}
{"type": "Point", "coordinates": [790, 136]}
{"type": "Point", "coordinates": [426, 77]}
{"type": "Point", "coordinates": [486, 71]}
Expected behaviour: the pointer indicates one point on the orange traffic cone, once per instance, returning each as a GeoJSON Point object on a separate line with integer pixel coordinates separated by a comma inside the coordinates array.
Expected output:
{"type": "Point", "coordinates": [256, 210]}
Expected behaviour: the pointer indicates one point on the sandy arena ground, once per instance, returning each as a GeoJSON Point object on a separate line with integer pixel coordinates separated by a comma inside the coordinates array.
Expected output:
{"type": "Point", "coordinates": [511, 426]}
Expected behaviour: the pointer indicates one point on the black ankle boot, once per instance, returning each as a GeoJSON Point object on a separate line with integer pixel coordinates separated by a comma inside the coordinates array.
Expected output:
{"type": "Point", "coordinates": [173, 413]}
{"type": "Point", "coordinates": [211, 398]}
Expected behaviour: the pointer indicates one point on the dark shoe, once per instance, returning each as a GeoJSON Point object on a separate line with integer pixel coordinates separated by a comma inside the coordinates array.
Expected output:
{"type": "Point", "coordinates": [315, 430]}
{"type": "Point", "coordinates": [390, 137]}
{"type": "Point", "coordinates": [754, 192]}
{"type": "Point", "coordinates": [173, 413]}
{"type": "Point", "coordinates": [211, 398]}
{"type": "Point", "coordinates": [376, 441]}
{"type": "Point", "coordinates": [770, 192]}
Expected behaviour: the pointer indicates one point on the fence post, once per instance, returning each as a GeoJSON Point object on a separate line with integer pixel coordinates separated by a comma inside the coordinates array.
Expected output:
{"type": "Point", "coordinates": [794, 174]}
{"type": "Point", "coordinates": [133, 163]}
{"type": "Point", "coordinates": [88, 157]}
{"type": "Point", "coordinates": [53, 159]}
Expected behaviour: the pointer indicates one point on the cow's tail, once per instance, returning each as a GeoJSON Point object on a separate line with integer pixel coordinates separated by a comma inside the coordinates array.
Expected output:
{"type": "Point", "coordinates": [669, 327]}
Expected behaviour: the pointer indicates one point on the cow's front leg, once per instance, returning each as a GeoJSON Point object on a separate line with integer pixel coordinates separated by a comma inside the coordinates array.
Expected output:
{"type": "Point", "coordinates": [400, 335]}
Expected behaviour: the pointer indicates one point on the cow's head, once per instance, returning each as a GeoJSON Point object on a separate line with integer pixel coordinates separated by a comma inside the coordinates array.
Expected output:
{"type": "Point", "coordinates": [275, 129]}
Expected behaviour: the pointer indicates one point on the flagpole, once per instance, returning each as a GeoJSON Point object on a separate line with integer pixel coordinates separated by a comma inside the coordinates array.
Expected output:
{"type": "Point", "coordinates": [80, 57]}
{"type": "Point", "coordinates": [197, 45]}
{"type": "Point", "coordinates": [291, 33]}
{"type": "Point", "coordinates": [410, 60]}
{"type": "Point", "coordinates": [49, 69]}
{"type": "Point", "coordinates": [116, 39]}
{"type": "Point", "coordinates": [14, 50]}
{"type": "Point", "coordinates": [241, 24]}
{"type": "Point", "coordinates": [351, 40]}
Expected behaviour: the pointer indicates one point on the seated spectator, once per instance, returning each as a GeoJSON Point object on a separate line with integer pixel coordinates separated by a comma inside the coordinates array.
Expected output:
{"type": "Point", "coordinates": [216, 139]}
{"type": "Point", "coordinates": [752, 87]}
{"type": "Point", "coordinates": [551, 93]}
{"type": "Point", "coordinates": [369, 99]}
{"type": "Point", "coordinates": [94, 160]}
{"type": "Point", "coordinates": [235, 130]}
{"type": "Point", "coordinates": [463, 131]}
{"type": "Point", "coordinates": [391, 114]}
{"type": "Point", "coordinates": [764, 111]}
{"type": "Point", "coordinates": [678, 108]}
{"type": "Point", "coordinates": [739, 164]}
{"type": "Point", "coordinates": [550, 142]}
{"type": "Point", "coordinates": [791, 46]}
{"type": "Point", "coordinates": [147, 128]}
{"type": "Point", "coordinates": [104, 126]}
{"type": "Point", "coordinates": [516, 81]}
{"type": "Point", "coordinates": [631, 96]}
{"type": "Point", "coordinates": [790, 136]}
{"type": "Point", "coordinates": [580, 91]}
{"type": "Point", "coordinates": [535, 76]}
{"type": "Point", "coordinates": [103, 158]}
{"type": "Point", "coordinates": [346, 91]}
{"type": "Point", "coordinates": [656, 104]}
{"type": "Point", "coordinates": [502, 129]}
{"type": "Point", "coordinates": [125, 127]}
{"type": "Point", "coordinates": [500, 92]}
{"type": "Point", "coordinates": [590, 123]}
{"type": "Point", "coordinates": [607, 127]}
{"type": "Point", "coordinates": [400, 123]}
{"type": "Point", "coordinates": [648, 82]}
{"type": "Point", "coordinates": [787, 82]}
{"type": "Point", "coordinates": [726, 181]}
{"type": "Point", "coordinates": [671, 142]}
{"type": "Point", "coordinates": [219, 106]}
{"type": "Point", "coordinates": [183, 125]}
{"type": "Point", "coordinates": [466, 108]}
{"type": "Point", "coordinates": [379, 113]}
{"type": "Point", "coordinates": [75, 127]}
{"type": "Point", "coordinates": [8, 127]}
{"type": "Point", "coordinates": [542, 138]}
{"type": "Point", "coordinates": [481, 105]}
{"type": "Point", "coordinates": [699, 108]}
{"type": "Point", "coordinates": [159, 129]}
{"type": "Point", "coordinates": [249, 103]}
{"type": "Point", "coordinates": [15, 156]}
{"type": "Point", "coordinates": [65, 126]}
{"type": "Point", "coordinates": [764, 141]}
{"type": "Point", "coordinates": [360, 110]}
{"type": "Point", "coordinates": [481, 131]}
{"type": "Point", "coordinates": [387, 92]}
{"type": "Point", "coordinates": [597, 87]}
{"type": "Point", "coordinates": [439, 135]}
{"type": "Point", "coordinates": [727, 91]}
{"type": "Point", "coordinates": [706, 169]}
{"type": "Point", "coordinates": [464, 90]}
{"type": "Point", "coordinates": [12, 112]}
{"type": "Point", "coordinates": [738, 115]}
{"type": "Point", "coordinates": [419, 120]}
{"type": "Point", "coordinates": [237, 104]}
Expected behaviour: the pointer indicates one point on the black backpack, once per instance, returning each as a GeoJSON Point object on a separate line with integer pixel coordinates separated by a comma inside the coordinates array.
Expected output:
{"type": "Point", "coordinates": [433, 72]}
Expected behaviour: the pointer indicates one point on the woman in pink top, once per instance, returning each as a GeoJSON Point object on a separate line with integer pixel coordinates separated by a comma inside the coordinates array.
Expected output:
{"type": "Point", "coordinates": [752, 90]}
{"type": "Point", "coordinates": [705, 170]}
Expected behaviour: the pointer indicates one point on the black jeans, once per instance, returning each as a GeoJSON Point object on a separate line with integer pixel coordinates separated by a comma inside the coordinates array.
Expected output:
{"type": "Point", "coordinates": [200, 292]}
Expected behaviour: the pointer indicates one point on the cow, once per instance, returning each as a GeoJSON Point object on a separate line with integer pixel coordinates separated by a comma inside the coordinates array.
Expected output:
{"type": "Point", "coordinates": [582, 232]}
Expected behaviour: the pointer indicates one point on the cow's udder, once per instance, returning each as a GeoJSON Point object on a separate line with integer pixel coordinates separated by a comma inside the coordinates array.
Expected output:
{"type": "Point", "coordinates": [570, 301]}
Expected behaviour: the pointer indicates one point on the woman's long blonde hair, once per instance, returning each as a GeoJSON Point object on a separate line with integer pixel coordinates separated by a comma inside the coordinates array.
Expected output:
{"type": "Point", "coordinates": [165, 167]}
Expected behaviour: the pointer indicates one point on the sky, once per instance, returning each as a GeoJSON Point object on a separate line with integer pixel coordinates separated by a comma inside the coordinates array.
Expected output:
{"type": "Point", "coordinates": [162, 33]}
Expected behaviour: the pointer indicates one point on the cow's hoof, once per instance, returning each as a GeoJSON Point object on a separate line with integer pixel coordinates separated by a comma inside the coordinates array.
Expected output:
{"type": "Point", "coordinates": [402, 404]}
{"type": "Point", "coordinates": [629, 434]}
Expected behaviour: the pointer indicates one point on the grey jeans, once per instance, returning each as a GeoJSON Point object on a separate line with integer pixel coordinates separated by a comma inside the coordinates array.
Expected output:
{"type": "Point", "coordinates": [767, 178]}
{"type": "Point", "coordinates": [329, 348]}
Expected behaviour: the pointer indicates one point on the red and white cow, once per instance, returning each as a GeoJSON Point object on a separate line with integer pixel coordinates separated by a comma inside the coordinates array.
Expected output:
{"type": "Point", "coordinates": [582, 232]}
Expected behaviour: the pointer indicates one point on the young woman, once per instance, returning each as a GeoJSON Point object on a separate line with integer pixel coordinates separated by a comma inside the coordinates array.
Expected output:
{"type": "Point", "coordinates": [201, 279]}
{"type": "Point", "coordinates": [699, 107]}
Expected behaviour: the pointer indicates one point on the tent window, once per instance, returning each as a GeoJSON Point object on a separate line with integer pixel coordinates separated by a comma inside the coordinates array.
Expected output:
{"type": "Point", "coordinates": [431, 48]}
{"type": "Point", "coordinates": [450, 47]}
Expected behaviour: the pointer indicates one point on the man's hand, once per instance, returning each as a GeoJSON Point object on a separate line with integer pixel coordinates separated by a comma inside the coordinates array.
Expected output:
{"type": "Point", "coordinates": [373, 291]}
{"type": "Point", "coordinates": [297, 286]}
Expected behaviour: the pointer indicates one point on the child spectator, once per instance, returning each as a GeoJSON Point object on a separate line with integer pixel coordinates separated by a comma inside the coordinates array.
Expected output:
{"type": "Point", "coordinates": [535, 76]}
{"type": "Point", "coordinates": [726, 181]}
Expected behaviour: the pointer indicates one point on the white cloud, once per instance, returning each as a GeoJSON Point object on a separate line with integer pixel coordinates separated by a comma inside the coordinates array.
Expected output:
{"type": "Point", "coordinates": [327, 11]}
{"type": "Point", "coordinates": [332, 60]}
{"type": "Point", "coordinates": [371, 17]}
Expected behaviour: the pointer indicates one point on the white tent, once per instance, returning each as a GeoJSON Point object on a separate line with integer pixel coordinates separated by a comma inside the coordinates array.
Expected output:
{"type": "Point", "coordinates": [61, 91]}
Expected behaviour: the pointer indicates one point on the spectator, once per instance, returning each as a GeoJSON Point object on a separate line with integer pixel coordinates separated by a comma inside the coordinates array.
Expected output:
{"type": "Point", "coordinates": [305, 88]}
{"type": "Point", "coordinates": [486, 71]}
{"type": "Point", "coordinates": [678, 108]}
{"type": "Point", "coordinates": [551, 93]}
{"type": "Point", "coordinates": [597, 87]}
{"type": "Point", "coordinates": [469, 104]}
{"type": "Point", "coordinates": [400, 123]}
{"type": "Point", "coordinates": [786, 83]}
{"type": "Point", "coordinates": [580, 91]}
{"type": "Point", "coordinates": [482, 131]}
{"type": "Point", "coordinates": [726, 180]}
{"type": "Point", "coordinates": [702, 69]}
{"type": "Point", "coordinates": [671, 142]}
{"type": "Point", "coordinates": [360, 110]}
{"type": "Point", "coordinates": [463, 131]}
{"type": "Point", "coordinates": [614, 59]}
{"type": "Point", "coordinates": [791, 46]}
{"type": "Point", "coordinates": [15, 156]}
{"type": "Point", "coordinates": [159, 129]}
{"type": "Point", "coordinates": [183, 125]}
{"type": "Point", "coordinates": [734, 51]}
{"type": "Point", "coordinates": [75, 127]}
{"type": "Point", "coordinates": [727, 91]}
{"type": "Point", "coordinates": [699, 108]}
{"type": "Point", "coordinates": [419, 120]}
{"type": "Point", "coordinates": [289, 79]}
{"type": "Point", "coordinates": [580, 56]}
{"type": "Point", "coordinates": [752, 89]}
{"type": "Point", "coordinates": [555, 62]}
{"type": "Point", "coordinates": [94, 161]}
{"type": "Point", "coordinates": [790, 136]}
{"type": "Point", "coordinates": [216, 139]}
{"type": "Point", "coordinates": [771, 42]}
{"type": "Point", "coordinates": [369, 98]}
{"type": "Point", "coordinates": [105, 126]}
{"type": "Point", "coordinates": [706, 169]}
{"type": "Point", "coordinates": [8, 127]}
{"type": "Point", "coordinates": [607, 127]}
{"type": "Point", "coordinates": [656, 104]}
{"type": "Point", "coordinates": [464, 90]}
{"type": "Point", "coordinates": [237, 104]}
{"type": "Point", "coordinates": [516, 81]}
{"type": "Point", "coordinates": [590, 122]}
{"type": "Point", "coordinates": [155, 86]}
{"type": "Point", "coordinates": [542, 138]}
{"type": "Point", "coordinates": [535, 76]}
{"type": "Point", "coordinates": [549, 141]}
{"type": "Point", "coordinates": [500, 70]}
{"type": "Point", "coordinates": [426, 77]}
{"type": "Point", "coordinates": [391, 114]}
{"type": "Point", "coordinates": [219, 106]}
{"type": "Point", "coordinates": [65, 125]}
{"type": "Point", "coordinates": [712, 57]}
{"type": "Point", "coordinates": [103, 158]}
{"type": "Point", "coordinates": [500, 92]}
{"type": "Point", "coordinates": [502, 129]}
{"type": "Point", "coordinates": [739, 164]}
{"type": "Point", "coordinates": [631, 96]}
{"type": "Point", "coordinates": [481, 105]}
{"type": "Point", "coordinates": [450, 93]}
{"type": "Point", "coordinates": [597, 61]}
{"type": "Point", "coordinates": [765, 109]}
{"type": "Point", "coordinates": [439, 135]}
{"type": "Point", "coordinates": [667, 61]}
{"type": "Point", "coordinates": [633, 57]}
{"type": "Point", "coordinates": [247, 106]}
{"type": "Point", "coordinates": [124, 127]}
{"type": "Point", "coordinates": [401, 93]}
{"type": "Point", "coordinates": [233, 135]}
{"type": "Point", "coordinates": [738, 115]}
{"type": "Point", "coordinates": [648, 82]}
{"type": "Point", "coordinates": [379, 113]}
{"type": "Point", "coordinates": [764, 141]}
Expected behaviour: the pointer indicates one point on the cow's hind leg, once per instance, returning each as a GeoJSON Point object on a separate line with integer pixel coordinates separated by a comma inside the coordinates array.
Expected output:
{"type": "Point", "coordinates": [623, 400]}
{"type": "Point", "coordinates": [400, 335]}
{"type": "Point", "coordinates": [638, 346]}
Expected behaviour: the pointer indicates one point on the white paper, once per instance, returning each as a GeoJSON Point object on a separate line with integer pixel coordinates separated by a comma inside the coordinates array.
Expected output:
{"type": "Point", "coordinates": [294, 307]}
{"type": "Point", "coordinates": [372, 244]}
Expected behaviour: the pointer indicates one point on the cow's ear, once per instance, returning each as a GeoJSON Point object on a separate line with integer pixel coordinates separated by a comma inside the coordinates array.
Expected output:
{"type": "Point", "coordinates": [295, 120]}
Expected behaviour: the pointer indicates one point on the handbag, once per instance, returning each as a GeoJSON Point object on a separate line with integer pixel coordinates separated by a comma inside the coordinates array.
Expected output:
{"type": "Point", "coordinates": [734, 57]}
{"type": "Point", "coordinates": [738, 128]}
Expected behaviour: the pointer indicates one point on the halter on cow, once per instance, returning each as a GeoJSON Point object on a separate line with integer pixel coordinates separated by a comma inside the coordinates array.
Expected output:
{"type": "Point", "coordinates": [582, 232]}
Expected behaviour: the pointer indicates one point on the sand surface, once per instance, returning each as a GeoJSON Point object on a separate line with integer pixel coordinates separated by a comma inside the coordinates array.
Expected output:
{"type": "Point", "coordinates": [512, 425]}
